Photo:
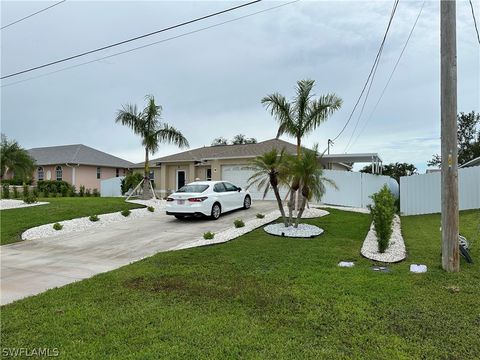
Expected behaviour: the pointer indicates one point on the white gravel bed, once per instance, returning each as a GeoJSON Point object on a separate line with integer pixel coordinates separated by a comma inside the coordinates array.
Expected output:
{"type": "Point", "coordinates": [396, 249]}
{"type": "Point", "coordinates": [302, 231]}
{"type": "Point", "coordinates": [312, 213]}
{"type": "Point", "coordinates": [84, 223]}
{"type": "Point", "coordinates": [6, 204]}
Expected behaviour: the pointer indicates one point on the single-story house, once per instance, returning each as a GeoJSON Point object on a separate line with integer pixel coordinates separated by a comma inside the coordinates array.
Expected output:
{"type": "Point", "coordinates": [77, 164]}
{"type": "Point", "coordinates": [227, 162]}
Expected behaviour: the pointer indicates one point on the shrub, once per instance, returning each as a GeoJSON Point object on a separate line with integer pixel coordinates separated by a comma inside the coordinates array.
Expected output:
{"type": "Point", "coordinates": [151, 208]}
{"type": "Point", "coordinates": [126, 212]}
{"type": "Point", "coordinates": [35, 192]}
{"type": "Point", "coordinates": [95, 192]}
{"type": "Point", "coordinates": [64, 190]}
{"type": "Point", "coordinates": [88, 193]}
{"type": "Point", "coordinates": [25, 191]}
{"type": "Point", "coordinates": [46, 193]}
{"type": "Point", "coordinates": [130, 182]}
{"type": "Point", "coordinates": [239, 223]}
{"type": "Point", "coordinates": [54, 194]}
{"type": "Point", "coordinates": [52, 186]}
{"type": "Point", "coordinates": [208, 235]}
{"type": "Point", "coordinates": [73, 191]}
{"type": "Point", "coordinates": [5, 190]}
{"type": "Point", "coordinates": [15, 192]}
{"type": "Point", "coordinates": [260, 216]}
{"type": "Point", "coordinates": [17, 181]}
{"type": "Point", "coordinates": [30, 199]}
{"type": "Point", "coordinates": [383, 211]}
{"type": "Point", "coordinates": [57, 226]}
{"type": "Point", "coordinates": [94, 218]}
{"type": "Point", "coordinates": [81, 193]}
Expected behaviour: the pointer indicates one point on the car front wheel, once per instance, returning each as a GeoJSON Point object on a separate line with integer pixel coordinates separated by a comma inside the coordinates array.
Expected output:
{"type": "Point", "coordinates": [216, 211]}
{"type": "Point", "coordinates": [247, 202]}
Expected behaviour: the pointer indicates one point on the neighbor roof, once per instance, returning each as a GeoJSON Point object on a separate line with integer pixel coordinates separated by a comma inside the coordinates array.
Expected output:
{"type": "Point", "coordinates": [226, 152]}
{"type": "Point", "coordinates": [473, 162]}
{"type": "Point", "coordinates": [76, 154]}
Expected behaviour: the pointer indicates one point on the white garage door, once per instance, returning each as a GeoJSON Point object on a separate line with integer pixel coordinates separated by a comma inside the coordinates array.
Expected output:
{"type": "Point", "coordinates": [239, 175]}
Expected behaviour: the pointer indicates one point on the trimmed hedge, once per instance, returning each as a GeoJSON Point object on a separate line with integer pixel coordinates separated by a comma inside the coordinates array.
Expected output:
{"type": "Point", "coordinates": [54, 186]}
{"type": "Point", "coordinates": [383, 211]}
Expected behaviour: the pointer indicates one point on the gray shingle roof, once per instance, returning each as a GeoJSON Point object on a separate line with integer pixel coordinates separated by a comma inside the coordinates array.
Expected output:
{"type": "Point", "coordinates": [226, 151]}
{"type": "Point", "coordinates": [76, 154]}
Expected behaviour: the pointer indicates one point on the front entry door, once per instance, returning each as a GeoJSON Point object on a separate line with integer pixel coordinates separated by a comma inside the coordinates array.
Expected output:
{"type": "Point", "coordinates": [180, 179]}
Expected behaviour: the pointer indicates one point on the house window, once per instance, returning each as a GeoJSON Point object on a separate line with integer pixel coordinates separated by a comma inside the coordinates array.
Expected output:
{"type": "Point", "coordinates": [40, 173]}
{"type": "Point", "coordinates": [151, 175]}
{"type": "Point", "coordinates": [117, 172]}
{"type": "Point", "coordinates": [209, 174]}
{"type": "Point", "coordinates": [99, 172]}
{"type": "Point", "coordinates": [59, 173]}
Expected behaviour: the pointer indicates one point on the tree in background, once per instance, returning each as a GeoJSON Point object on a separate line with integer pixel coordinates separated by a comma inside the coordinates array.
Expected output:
{"type": "Point", "coordinates": [239, 139]}
{"type": "Point", "coordinates": [394, 170]}
{"type": "Point", "coordinates": [15, 159]}
{"type": "Point", "coordinates": [468, 137]}
{"type": "Point", "coordinates": [219, 141]}
{"type": "Point", "coordinates": [147, 125]}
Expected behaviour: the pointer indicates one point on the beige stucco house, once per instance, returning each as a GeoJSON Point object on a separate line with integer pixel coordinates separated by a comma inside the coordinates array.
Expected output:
{"type": "Point", "coordinates": [221, 162]}
{"type": "Point", "coordinates": [77, 164]}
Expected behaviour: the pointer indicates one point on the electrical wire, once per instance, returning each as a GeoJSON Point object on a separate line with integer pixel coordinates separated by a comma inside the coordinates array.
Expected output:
{"type": "Point", "coordinates": [29, 16]}
{"type": "Point", "coordinates": [151, 44]}
{"type": "Point", "coordinates": [131, 39]}
{"type": "Point", "coordinates": [474, 21]}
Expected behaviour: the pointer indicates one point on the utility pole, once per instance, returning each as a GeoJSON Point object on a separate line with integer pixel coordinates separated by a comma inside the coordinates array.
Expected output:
{"type": "Point", "coordinates": [448, 93]}
{"type": "Point", "coordinates": [328, 145]}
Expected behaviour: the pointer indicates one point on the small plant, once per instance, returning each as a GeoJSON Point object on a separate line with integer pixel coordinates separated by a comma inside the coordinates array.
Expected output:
{"type": "Point", "coordinates": [64, 190]}
{"type": "Point", "coordinates": [126, 212]}
{"type": "Point", "coordinates": [81, 193]}
{"type": "Point", "coordinates": [6, 191]}
{"type": "Point", "coordinates": [35, 192]}
{"type": "Point", "coordinates": [30, 199]}
{"type": "Point", "coordinates": [88, 193]}
{"type": "Point", "coordinates": [208, 235]}
{"type": "Point", "coordinates": [260, 216]}
{"type": "Point", "coordinates": [72, 191]}
{"type": "Point", "coordinates": [238, 223]}
{"type": "Point", "coordinates": [95, 192]}
{"type": "Point", "coordinates": [94, 218]}
{"type": "Point", "coordinates": [46, 193]}
{"type": "Point", "coordinates": [25, 192]}
{"type": "Point", "coordinates": [57, 226]}
{"type": "Point", "coordinates": [151, 208]}
{"type": "Point", "coordinates": [383, 211]}
{"type": "Point", "coordinates": [15, 192]}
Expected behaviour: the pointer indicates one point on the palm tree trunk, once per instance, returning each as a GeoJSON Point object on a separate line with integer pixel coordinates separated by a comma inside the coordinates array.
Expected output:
{"type": "Point", "coordinates": [280, 205]}
{"type": "Point", "coordinates": [291, 205]}
{"type": "Point", "coordinates": [300, 212]}
{"type": "Point", "coordinates": [147, 192]}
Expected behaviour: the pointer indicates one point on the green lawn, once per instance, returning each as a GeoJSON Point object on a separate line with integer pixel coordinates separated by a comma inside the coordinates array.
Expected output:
{"type": "Point", "coordinates": [16, 221]}
{"type": "Point", "coordinates": [266, 297]}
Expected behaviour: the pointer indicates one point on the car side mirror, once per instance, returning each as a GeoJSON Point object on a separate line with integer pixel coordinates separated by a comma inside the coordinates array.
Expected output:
{"type": "Point", "coordinates": [239, 189]}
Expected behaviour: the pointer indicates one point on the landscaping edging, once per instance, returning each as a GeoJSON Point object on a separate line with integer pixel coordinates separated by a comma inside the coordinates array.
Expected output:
{"type": "Point", "coordinates": [6, 204]}
{"type": "Point", "coordinates": [396, 250]}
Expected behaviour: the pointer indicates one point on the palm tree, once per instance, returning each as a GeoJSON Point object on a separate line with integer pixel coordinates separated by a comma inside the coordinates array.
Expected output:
{"type": "Point", "coordinates": [270, 171]}
{"type": "Point", "coordinates": [16, 159]}
{"type": "Point", "coordinates": [309, 173]}
{"type": "Point", "coordinates": [147, 124]}
{"type": "Point", "coordinates": [304, 114]}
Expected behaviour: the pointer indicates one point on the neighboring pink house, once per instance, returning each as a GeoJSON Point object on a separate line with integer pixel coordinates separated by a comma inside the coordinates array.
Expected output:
{"type": "Point", "coordinates": [77, 164]}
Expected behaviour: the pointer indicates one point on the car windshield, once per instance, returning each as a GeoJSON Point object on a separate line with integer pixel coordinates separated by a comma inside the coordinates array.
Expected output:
{"type": "Point", "coordinates": [193, 189]}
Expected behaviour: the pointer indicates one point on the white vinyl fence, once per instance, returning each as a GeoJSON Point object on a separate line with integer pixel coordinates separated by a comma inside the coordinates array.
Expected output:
{"type": "Point", "coordinates": [420, 194]}
{"type": "Point", "coordinates": [111, 187]}
{"type": "Point", "coordinates": [355, 188]}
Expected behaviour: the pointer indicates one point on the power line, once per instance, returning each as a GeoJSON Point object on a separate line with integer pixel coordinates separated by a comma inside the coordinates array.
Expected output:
{"type": "Point", "coordinates": [391, 74]}
{"type": "Point", "coordinates": [151, 44]}
{"type": "Point", "coordinates": [371, 71]}
{"type": "Point", "coordinates": [29, 16]}
{"type": "Point", "coordinates": [474, 21]}
{"type": "Point", "coordinates": [131, 39]}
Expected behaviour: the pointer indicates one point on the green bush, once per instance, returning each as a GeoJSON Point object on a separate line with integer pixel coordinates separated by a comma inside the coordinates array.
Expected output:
{"type": "Point", "coordinates": [57, 226]}
{"type": "Point", "coordinates": [126, 212]}
{"type": "Point", "coordinates": [64, 190]}
{"type": "Point", "coordinates": [81, 193]}
{"type": "Point", "coordinates": [54, 194]}
{"type": "Point", "coordinates": [88, 193]}
{"type": "Point", "coordinates": [151, 208]}
{"type": "Point", "coordinates": [260, 216]}
{"type": "Point", "coordinates": [5, 190]}
{"type": "Point", "coordinates": [30, 199]}
{"type": "Point", "coordinates": [25, 191]}
{"type": "Point", "coordinates": [239, 223]}
{"type": "Point", "coordinates": [46, 193]}
{"type": "Point", "coordinates": [208, 235]}
{"type": "Point", "coordinates": [17, 181]}
{"type": "Point", "coordinates": [95, 192]}
{"type": "Point", "coordinates": [73, 191]}
{"type": "Point", "coordinates": [35, 192]}
{"type": "Point", "coordinates": [53, 186]}
{"type": "Point", "coordinates": [94, 218]}
{"type": "Point", "coordinates": [15, 192]}
{"type": "Point", "coordinates": [130, 181]}
{"type": "Point", "coordinates": [383, 211]}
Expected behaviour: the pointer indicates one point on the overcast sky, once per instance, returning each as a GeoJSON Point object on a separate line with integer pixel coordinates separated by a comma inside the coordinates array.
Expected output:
{"type": "Point", "coordinates": [210, 83]}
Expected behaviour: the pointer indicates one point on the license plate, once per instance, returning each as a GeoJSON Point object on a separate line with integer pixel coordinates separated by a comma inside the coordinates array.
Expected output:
{"type": "Point", "coordinates": [180, 202]}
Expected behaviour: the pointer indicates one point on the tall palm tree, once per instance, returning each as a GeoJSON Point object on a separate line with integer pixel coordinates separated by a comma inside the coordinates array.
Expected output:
{"type": "Point", "coordinates": [309, 173]}
{"type": "Point", "coordinates": [15, 159]}
{"type": "Point", "coordinates": [147, 124]}
{"type": "Point", "coordinates": [270, 172]}
{"type": "Point", "coordinates": [304, 114]}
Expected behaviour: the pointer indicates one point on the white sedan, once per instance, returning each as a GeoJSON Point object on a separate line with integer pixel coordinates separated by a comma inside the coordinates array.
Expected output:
{"type": "Point", "coordinates": [210, 198]}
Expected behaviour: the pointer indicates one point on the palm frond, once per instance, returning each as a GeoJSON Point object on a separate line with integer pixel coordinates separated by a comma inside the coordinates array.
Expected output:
{"type": "Point", "coordinates": [319, 110]}
{"type": "Point", "coordinates": [171, 135]}
{"type": "Point", "coordinates": [281, 110]}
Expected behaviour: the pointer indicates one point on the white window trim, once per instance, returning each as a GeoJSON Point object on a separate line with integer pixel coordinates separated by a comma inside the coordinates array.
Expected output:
{"type": "Point", "coordinates": [56, 173]}
{"type": "Point", "coordinates": [38, 173]}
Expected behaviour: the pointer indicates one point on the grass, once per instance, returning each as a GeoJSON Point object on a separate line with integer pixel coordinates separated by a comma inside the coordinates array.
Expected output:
{"type": "Point", "coordinates": [266, 297]}
{"type": "Point", "coordinates": [16, 221]}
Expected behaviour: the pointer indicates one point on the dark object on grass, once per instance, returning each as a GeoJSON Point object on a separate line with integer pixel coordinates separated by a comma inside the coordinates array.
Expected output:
{"type": "Point", "coordinates": [381, 269]}
{"type": "Point", "coordinates": [126, 212]}
{"type": "Point", "coordinates": [463, 245]}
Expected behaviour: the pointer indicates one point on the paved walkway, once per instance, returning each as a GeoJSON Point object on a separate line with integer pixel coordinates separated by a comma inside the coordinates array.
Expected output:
{"type": "Point", "coordinates": [34, 266]}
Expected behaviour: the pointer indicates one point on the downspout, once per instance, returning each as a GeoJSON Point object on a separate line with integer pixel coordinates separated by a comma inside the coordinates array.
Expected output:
{"type": "Point", "coordinates": [73, 172]}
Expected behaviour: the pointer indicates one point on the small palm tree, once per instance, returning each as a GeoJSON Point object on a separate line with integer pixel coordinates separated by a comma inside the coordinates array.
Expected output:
{"type": "Point", "coordinates": [304, 114]}
{"type": "Point", "coordinates": [270, 172]}
{"type": "Point", "coordinates": [15, 159]}
{"type": "Point", "coordinates": [147, 124]}
{"type": "Point", "coordinates": [309, 173]}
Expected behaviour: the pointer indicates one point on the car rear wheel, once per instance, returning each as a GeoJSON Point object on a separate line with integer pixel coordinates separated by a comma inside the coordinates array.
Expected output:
{"type": "Point", "coordinates": [216, 211]}
{"type": "Point", "coordinates": [247, 202]}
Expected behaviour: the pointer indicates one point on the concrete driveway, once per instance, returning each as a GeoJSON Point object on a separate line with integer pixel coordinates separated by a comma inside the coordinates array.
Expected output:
{"type": "Point", "coordinates": [34, 266]}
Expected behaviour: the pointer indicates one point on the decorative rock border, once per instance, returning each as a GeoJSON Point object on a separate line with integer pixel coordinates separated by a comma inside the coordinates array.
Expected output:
{"type": "Point", "coordinates": [302, 231]}
{"type": "Point", "coordinates": [6, 204]}
{"type": "Point", "coordinates": [396, 249]}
